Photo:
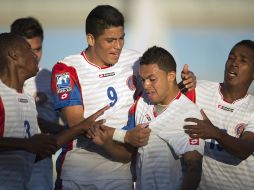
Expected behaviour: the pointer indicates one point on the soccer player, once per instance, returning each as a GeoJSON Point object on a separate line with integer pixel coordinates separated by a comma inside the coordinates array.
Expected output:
{"type": "Point", "coordinates": [39, 87]}
{"type": "Point", "coordinates": [18, 121]}
{"type": "Point", "coordinates": [228, 124]}
{"type": "Point", "coordinates": [170, 160]}
{"type": "Point", "coordinates": [19, 138]}
{"type": "Point", "coordinates": [104, 73]}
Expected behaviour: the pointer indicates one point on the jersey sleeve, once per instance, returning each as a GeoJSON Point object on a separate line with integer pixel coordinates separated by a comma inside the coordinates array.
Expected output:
{"type": "Point", "coordinates": [2, 116]}
{"type": "Point", "coordinates": [65, 86]}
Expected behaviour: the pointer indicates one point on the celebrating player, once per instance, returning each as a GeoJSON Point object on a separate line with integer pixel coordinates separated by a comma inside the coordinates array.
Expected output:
{"type": "Point", "coordinates": [170, 160]}
{"type": "Point", "coordinates": [228, 124]}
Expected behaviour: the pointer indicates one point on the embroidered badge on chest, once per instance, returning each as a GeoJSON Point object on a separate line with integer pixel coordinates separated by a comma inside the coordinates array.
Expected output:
{"type": "Point", "coordinates": [131, 82]}
{"type": "Point", "coordinates": [63, 83]}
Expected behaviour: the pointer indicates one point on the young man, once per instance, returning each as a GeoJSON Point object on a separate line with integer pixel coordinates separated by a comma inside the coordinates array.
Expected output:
{"type": "Point", "coordinates": [170, 160]}
{"type": "Point", "coordinates": [228, 124]}
{"type": "Point", "coordinates": [19, 138]}
{"type": "Point", "coordinates": [39, 87]}
{"type": "Point", "coordinates": [104, 73]}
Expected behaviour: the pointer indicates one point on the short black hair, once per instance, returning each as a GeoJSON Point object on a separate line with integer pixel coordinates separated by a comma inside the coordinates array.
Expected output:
{"type": "Point", "coordinates": [103, 17]}
{"type": "Point", "coordinates": [7, 41]}
{"type": "Point", "coordinates": [28, 27]}
{"type": "Point", "coordinates": [159, 56]}
{"type": "Point", "coordinates": [247, 43]}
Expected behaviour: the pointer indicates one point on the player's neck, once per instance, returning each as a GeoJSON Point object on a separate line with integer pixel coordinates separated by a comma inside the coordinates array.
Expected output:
{"type": "Point", "coordinates": [160, 107]}
{"type": "Point", "coordinates": [231, 94]}
{"type": "Point", "coordinates": [94, 59]}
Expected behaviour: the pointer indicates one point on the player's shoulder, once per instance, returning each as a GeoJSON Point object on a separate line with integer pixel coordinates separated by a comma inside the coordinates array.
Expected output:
{"type": "Point", "coordinates": [189, 108]}
{"type": "Point", "coordinates": [205, 84]}
{"type": "Point", "coordinates": [70, 59]}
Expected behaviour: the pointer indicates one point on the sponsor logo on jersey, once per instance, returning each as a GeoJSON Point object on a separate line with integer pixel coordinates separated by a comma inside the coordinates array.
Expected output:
{"type": "Point", "coordinates": [23, 100]}
{"type": "Point", "coordinates": [225, 108]}
{"type": "Point", "coordinates": [63, 83]}
{"type": "Point", "coordinates": [107, 75]}
{"type": "Point", "coordinates": [239, 128]}
{"type": "Point", "coordinates": [148, 117]}
{"type": "Point", "coordinates": [131, 82]}
{"type": "Point", "coordinates": [194, 141]}
{"type": "Point", "coordinates": [64, 96]}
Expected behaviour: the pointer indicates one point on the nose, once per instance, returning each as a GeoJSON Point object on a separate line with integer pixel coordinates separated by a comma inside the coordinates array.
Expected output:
{"type": "Point", "coordinates": [118, 44]}
{"type": "Point", "coordinates": [146, 84]}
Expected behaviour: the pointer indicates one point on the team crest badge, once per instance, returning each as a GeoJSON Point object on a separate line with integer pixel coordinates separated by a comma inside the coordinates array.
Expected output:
{"type": "Point", "coordinates": [63, 83]}
{"type": "Point", "coordinates": [239, 129]}
{"type": "Point", "coordinates": [132, 82]}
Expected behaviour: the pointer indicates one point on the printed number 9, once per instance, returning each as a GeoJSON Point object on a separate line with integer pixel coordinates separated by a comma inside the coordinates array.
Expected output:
{"type": "Point", "coordinates": [27, 127]}
{"type": "Point", "coordinates": [112, 95]}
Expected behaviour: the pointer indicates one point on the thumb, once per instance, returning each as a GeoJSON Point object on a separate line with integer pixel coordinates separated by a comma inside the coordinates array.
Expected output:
{"type": "Point", "coordinates": [185, 70]}
{"type": "Point", "coordinates": [203, 114]}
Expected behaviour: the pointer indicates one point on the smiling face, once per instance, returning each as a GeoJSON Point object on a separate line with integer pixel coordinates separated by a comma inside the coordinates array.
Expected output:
{"type": "Point", "coordinates": [239, 68]}
{"type": "Point", "coordinates": [156, 83]}
{"type": "Point", "coordinates": [106, 48]}
{"type": "Point", "coordinates": [36, 45]}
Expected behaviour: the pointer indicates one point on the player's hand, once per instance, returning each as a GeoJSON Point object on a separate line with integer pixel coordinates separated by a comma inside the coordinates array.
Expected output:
{"type": "Point", "coordinates": [203, 129]}
{"type": "Point", "coordinates": [100, 135]}
{"type": "Point", "coordinates": [138, 136]}
{"type": "Point", "coordinates": [42, 144]}
{"type": "Point", "coordinates": [89, 122]}
{"type": "Point", "coordinates": [189, 81]}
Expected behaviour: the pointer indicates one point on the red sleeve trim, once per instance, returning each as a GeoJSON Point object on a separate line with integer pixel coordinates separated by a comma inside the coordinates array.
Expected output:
{"type": "Point", "coordinates": [191, 95]}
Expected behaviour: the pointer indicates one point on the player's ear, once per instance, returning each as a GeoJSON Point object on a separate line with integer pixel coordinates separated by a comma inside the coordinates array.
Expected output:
{"type": "Point", "coordinates": [171, 76]}
{"type": "Point", "coordinates": [90, 39]}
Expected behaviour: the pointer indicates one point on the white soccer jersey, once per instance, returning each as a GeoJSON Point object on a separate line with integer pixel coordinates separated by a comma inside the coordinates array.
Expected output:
{"type": "Point", "coordinates": [222, 170]}
{"type": "Point", "coordinates": [159, 163]}
{"type": "Point", "coordinates": [18, 119]}
{"type": "Point", "coordinates": [76, 81]}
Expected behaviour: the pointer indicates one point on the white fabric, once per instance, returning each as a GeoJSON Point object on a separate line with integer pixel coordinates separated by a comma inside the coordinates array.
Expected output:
{"type": "Point", "coordinates": [158, 163]}
{"type": "Point", "coordinates": [222, 170]}
{"type": "Point", "coordinates": [20, 122]}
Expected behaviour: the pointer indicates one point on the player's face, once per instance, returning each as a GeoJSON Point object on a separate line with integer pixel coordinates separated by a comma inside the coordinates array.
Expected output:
{"type": "Point", "coordinates": [108, 46]}
{"type": "Point", "coordinates": [156, 83]}
{"type": "Point", "coordinates": [36, 45]}
{"type": "Point", "coordinates": [239, 68]}
{"type": "Point", "coordinates": [27, 62]}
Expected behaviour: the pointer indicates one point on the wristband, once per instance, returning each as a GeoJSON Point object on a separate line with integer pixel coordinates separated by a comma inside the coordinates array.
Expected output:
{"type": "Point", "coordinates": [119, 135]}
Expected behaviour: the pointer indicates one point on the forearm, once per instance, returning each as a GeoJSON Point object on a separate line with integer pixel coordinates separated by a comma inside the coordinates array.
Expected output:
{"type": "Point", "coordinates": [119, 152]}
{"type": "Point", "coordinates": [192, 175]}
{"type": "Point", "coordinates": [240, 147]}
{"type": "Point", "coordinates": [9, 143]}
{"type": "Point", "coordinates": [49, 127]}
{"type": "Point", "coordinates": [68, 135]}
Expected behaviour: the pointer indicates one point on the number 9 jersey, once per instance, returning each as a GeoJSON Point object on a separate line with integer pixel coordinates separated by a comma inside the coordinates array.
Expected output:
{"type": "Point", "coordinates": [76, 81]}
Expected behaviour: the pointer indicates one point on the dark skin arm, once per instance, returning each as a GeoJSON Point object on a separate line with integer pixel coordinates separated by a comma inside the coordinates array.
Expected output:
{"type": "Point", "coordinates": [49, 127]}
{"type": "Point", "coordinates": [192, 165]}
{"type": "Point", "coordinates": [119, 152]}
{"type": "Point", "coordinates": [241, 147]}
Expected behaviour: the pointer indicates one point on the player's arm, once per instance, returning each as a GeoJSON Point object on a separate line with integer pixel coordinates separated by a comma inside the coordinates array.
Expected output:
{"type": "Point", "coordinates": [49, 127]}
{"type": "Point", "coordinates": [101, 135]}
{"type": "Point", "coordinates": [192, 169]}
{"type": "Point", "coordinates": [241, 147]}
